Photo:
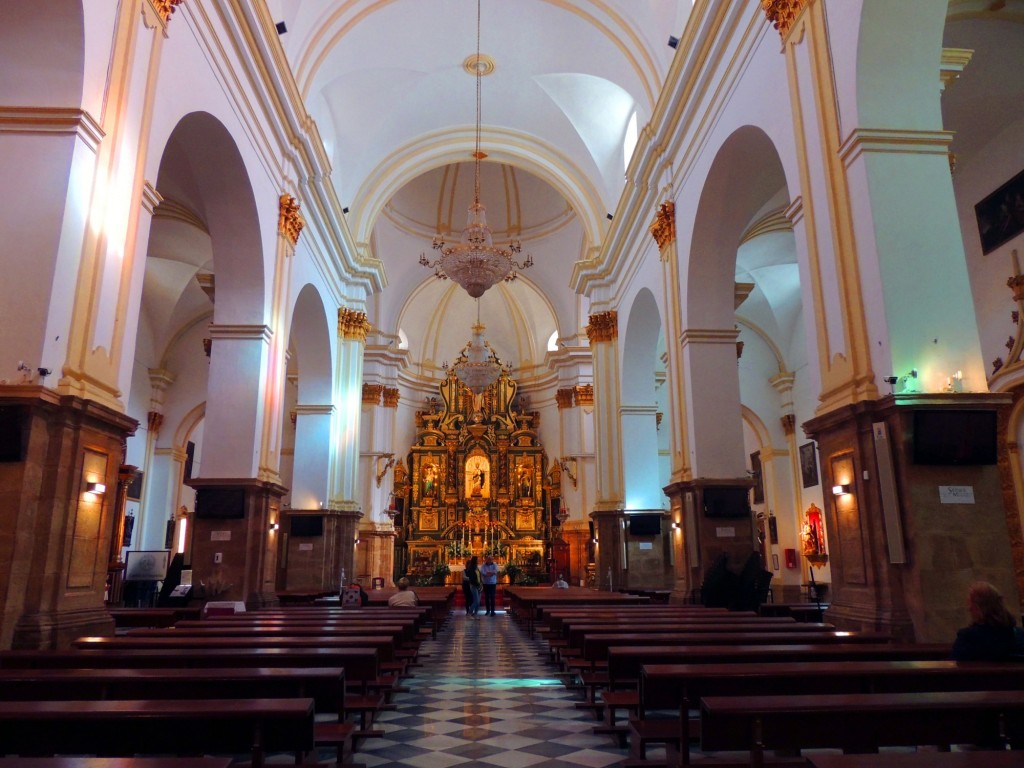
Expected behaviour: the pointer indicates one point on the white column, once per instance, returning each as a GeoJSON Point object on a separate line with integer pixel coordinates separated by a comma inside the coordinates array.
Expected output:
{"type": "Point", "coordinates": [603, 333]}
{"type": "Point", "coordinates": [352, 329]}
{"type": "Point", "coordinates": [235, 400]}
{"type": "Point", "coordinates": [311, 468]}
{"type": "Point", "coordinates": [713, 403]}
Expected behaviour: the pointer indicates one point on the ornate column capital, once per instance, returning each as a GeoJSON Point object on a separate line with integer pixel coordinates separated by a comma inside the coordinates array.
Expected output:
{"type": "Point", "coordinates": [584, 394]}
{"type": "Point", "coordinates": [352, 325]}
{"type": "Point", "coordinates": [290, 221]}
{"type": "Point", "coordinates": [783, 13]}
{"type": "Point", "coordinates": [563, 397]}
{"type": "Point", "coordinates": [391, 395]}
{"type": "Point", "coordinates": [372, 393]}
{"type": "Point", "coordinates": [603, 326]}
{"type": "Point", "coordinates": [165, 8]}
{"type": "Point", "coordinates": [663, 228]}
{"type": "Point", "coordinates": [154, 420]}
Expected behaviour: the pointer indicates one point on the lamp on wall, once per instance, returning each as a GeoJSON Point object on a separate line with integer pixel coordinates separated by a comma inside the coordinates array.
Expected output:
{"type": "Point", "coordinates": [475, 262]}
{"type": "Point", "coordinates": [841, 489]}
{"type": "Point", "coordinates": [98, 488]}
{"type": "Point", "coordinates": [274, 527]}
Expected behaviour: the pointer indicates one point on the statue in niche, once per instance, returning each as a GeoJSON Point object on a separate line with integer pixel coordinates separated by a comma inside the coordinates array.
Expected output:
{"type": "Point", "coordinates": [430, 480]}
{"type": "Point", "coordinates": [477, 471]}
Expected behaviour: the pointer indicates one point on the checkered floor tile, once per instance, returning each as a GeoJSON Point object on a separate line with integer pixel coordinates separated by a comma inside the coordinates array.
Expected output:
{"type": "Point", "coordinates": [484, 696]}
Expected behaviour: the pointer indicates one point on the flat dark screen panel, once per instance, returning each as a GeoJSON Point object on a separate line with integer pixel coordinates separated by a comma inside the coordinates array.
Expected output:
{"type": "Point", "coordinates": [726, 502]}
{"type": "Point", "coordinates": [10, 434]}
{"type": "Point", "coordinates": [307, 525]}
{"type": "Point", "coordinates": [644, 525]}
{"type": "Point", "coordinates": [954, 437]}
{"type": "Point", "coordinates": [220, 503]}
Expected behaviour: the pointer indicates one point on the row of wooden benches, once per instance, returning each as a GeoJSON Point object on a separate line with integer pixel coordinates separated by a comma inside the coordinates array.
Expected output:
{"type": "Point", "coordinates": [739, 682]}
{"type": "Point", "coordinates": [251, 683]}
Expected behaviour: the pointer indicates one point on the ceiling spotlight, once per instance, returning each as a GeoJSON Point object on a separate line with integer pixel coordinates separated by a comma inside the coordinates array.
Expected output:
{"type": "Point", "coordinates": [345, 209]}
{"type": "Point", "coordinates": [673, 41]}
{"type": "Point", "coordinates": [609, 216]}
{"type": "Point", "coordinates": [281, 28]}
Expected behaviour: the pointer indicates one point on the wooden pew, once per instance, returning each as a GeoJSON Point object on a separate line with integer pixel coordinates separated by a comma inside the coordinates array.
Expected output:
{"type": "Point", "coordinates": [526, 603]}
{"type": "Point", "coordinates": [860, 722]}
{"type": "Point", "coordinates": [115, 762]}
{"type": "Point", "coordinates": [150, 617]}
{"type": "Point", "coordinates": [984, 759]}
{"type": "Point", "coordinates": [625, 664]}
{"type": "Point", "coordinates": [682, 686]}
{"type": "Point", "coordinates": [182, 727]}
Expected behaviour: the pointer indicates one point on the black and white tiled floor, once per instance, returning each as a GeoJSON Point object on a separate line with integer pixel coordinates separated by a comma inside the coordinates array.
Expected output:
{"type": "Point", "coordinates": [485, 697]}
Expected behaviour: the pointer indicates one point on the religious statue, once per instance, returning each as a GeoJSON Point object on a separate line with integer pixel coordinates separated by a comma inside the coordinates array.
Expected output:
{"type": "Point", "coordinates": [430, 480]}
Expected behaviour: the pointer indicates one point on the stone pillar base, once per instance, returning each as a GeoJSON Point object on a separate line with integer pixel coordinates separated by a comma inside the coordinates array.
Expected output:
{"type": "Point", "coordinates": [234, 551]}
{"type": "Point", "coordinates": [58, 484]}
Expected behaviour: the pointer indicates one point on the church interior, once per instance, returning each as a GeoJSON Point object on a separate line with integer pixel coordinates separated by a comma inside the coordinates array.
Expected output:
{"type": "Point", "coordinates": [740, 279]}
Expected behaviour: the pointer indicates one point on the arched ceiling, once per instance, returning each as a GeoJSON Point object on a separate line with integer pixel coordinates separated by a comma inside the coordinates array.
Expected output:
{"type": "Point", "coordinates": [387, 84]}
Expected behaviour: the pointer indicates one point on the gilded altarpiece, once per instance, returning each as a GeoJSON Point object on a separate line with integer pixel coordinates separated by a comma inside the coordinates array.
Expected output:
{"type": "Point", "coordinates": [476, 484]}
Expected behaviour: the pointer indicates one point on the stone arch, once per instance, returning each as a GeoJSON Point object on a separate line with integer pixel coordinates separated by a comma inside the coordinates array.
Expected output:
{"type": "Point", "coordinates": [745, 177]}
{"type": "Point", "coordinates": [203, 171]}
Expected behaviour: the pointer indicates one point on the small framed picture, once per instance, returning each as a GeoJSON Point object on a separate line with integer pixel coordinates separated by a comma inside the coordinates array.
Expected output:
{"type": "Point", "coordinates": [808, 465]}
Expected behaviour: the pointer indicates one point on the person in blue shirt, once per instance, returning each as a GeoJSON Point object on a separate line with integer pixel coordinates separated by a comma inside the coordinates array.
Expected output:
{"type": "Point", "coordinates": [993, 634]}
{"type": "Point", "coordinates": [489, 576]}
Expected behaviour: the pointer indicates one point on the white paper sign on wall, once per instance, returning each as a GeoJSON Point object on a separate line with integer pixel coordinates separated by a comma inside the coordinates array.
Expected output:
{"type": "Point", "coordinates": [305, 547]}
{"type": "Point", "coordinates": [956, 494]}
{"type": "Point", "coordinates": [725, 533]}
{"type": "Point", "coordinates": [220, 535]}
{"type": "Point", "coordinates": [646, 545]}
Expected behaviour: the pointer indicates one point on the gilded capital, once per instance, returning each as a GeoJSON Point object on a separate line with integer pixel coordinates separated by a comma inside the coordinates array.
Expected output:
{"type": "Point", "coordinates": [352, 325]}
{"type": "Point", "coordinates": [603, 326]}
{"type": "Point", "coordinates": [390, 397]}
{"type": "Point", "coordinates": [165, 8]}
{"type": "Point", "coordinates": [372, 393]}
{"type": "Point", "coordinates": [563, 397]}
{"type": "Point", "coordinates": [663, 229]}
{"type": "Point", "coordinates": [290, 221]}
{"type": "Point", "coordinates": [783, 13]}
{"type": "Point", "coordinates": [584, 394]}
{"type": "Point", "coordinates": [154, 420]}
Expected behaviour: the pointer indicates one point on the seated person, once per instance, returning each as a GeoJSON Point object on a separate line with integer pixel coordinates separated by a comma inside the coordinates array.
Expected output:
{"type": "Point", "coordinates": [560, 583]}
{"type": "Point", "coordinates": [404, 597]}
{"type": "Point", "coordinates": [993, 634]}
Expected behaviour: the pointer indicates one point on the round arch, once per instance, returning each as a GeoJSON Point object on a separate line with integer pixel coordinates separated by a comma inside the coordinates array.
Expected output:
{"type": "Point", "coordinates": [310, 341]}
{"type": "Point", "coordinates": [202, 170]}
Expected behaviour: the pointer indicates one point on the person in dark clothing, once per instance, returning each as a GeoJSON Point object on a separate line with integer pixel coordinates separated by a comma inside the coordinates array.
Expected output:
{"type": "Point", "coordinates": [471, 586]}
{"type": "Point", "coordinates": [993, 634]}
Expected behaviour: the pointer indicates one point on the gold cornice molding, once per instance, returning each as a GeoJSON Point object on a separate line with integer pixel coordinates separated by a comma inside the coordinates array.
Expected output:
{"type": "Point", "coordinates": [245, 332]}
{"type": "Point", "coordinates": [783, 13]}
{"type": "Point", "coordinates": [709, 336]}
{"type": "Point", "coordinates": [563, 398]}
{"type": "Point", "coordinates": [171, 210]}
{"type": "Point", "coordinates": [313, 410]}
{"type": "Point", "coordinates": [861, 140]}
{"type": "Point", "coordinates": [151, 199]}
{"type": "Point", "coordinates": [774, 221]}
{"type": "Point", "coordinates": [663, 228]}
{"type": "Point", "coordinates": [603, 326]}
{"type": "Point", "coordinates": [372, 393]}
{"type": "Point", "coordinates": [952, 63]}
{"type": "Point", "coordinates": [391, 395]}
{"type": "Point", "coordinates": [352, 324]}
{"type": "Point", "coordinates": [289, 220]}
{"type": "Point", "coordinates": [57, 121]}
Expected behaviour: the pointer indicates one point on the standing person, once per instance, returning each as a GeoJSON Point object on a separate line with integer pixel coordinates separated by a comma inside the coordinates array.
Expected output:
{"type": "Point", "coordinates": [471, 586]}
{"type": "Point", "coordinates": [993, 634]}
{"type": "Point", "coordinates": [489, 577]}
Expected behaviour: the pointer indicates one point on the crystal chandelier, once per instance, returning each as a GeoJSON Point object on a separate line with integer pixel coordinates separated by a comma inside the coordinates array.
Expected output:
{"type": "Point", "coordinates": [475, 262]}
{"type": "Point", "coordinates": [477, 366]}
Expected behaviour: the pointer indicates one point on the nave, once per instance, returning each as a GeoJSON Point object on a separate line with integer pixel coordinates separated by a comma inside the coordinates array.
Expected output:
{"type": "Point", "coordinates": [485, 696]}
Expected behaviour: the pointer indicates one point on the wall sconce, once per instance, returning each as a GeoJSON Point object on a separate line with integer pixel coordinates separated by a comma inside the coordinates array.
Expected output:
{"type": "Point", "coordinates": [841, 490]}
{"type": "Point", "coordinates": [274, 527]}
{"type": "Point", "coordinates": [388, 464]}
{"type": "Point", "coordinates": [357, 542]}
{"type": "Point", "coordinates": [98, 488]}
{"type": "Point", "coordinates": [675, 526]}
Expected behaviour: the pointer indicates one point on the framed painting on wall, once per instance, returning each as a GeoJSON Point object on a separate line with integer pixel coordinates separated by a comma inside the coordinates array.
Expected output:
{"type": "Point", "coordinates": [808, 465]}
